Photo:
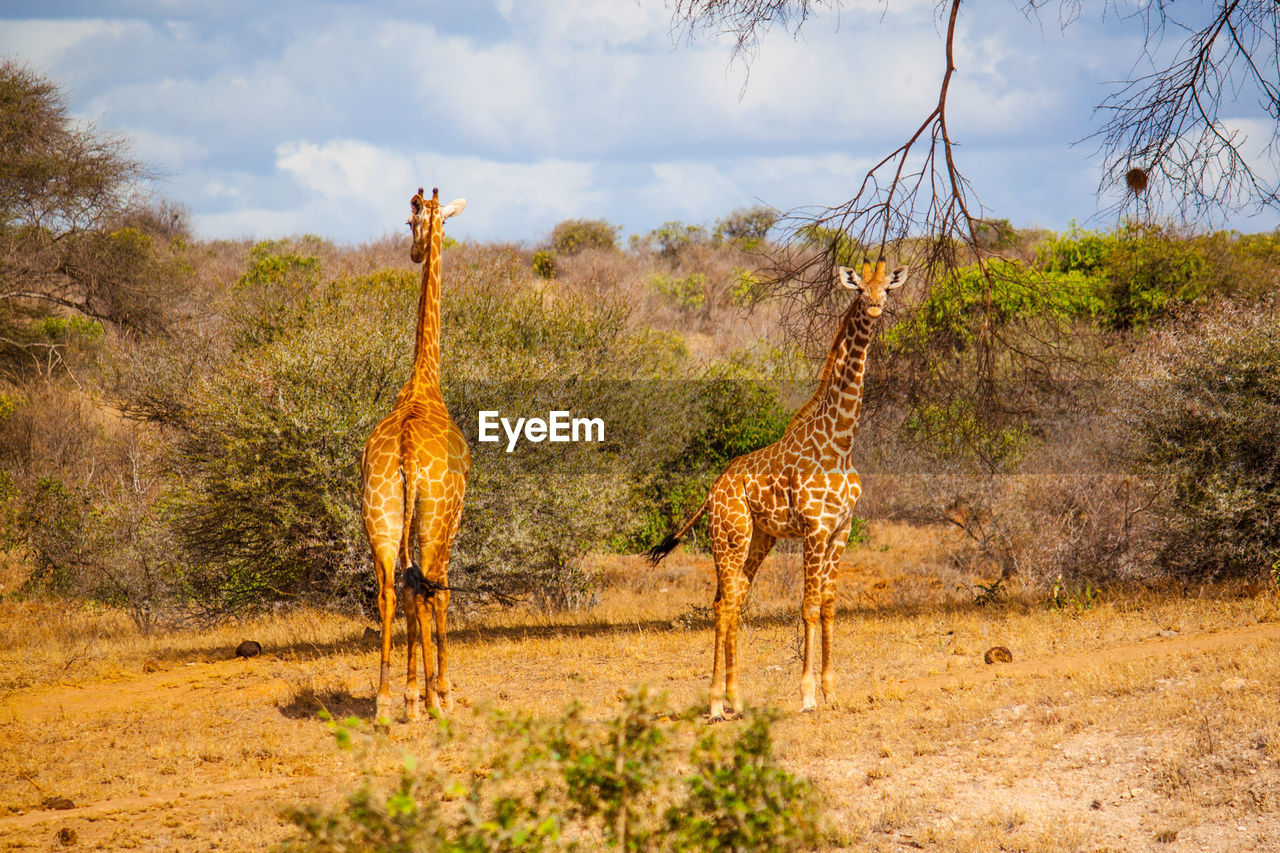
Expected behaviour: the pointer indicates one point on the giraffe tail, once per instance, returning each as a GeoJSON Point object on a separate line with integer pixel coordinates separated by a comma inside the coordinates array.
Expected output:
{"type": "Point", "coordinates": [412, 571]}
{"type": "Point", "coordinates": [666, 546]}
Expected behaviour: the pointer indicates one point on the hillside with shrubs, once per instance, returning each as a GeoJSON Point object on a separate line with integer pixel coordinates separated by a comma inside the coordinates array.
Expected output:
{"type": "Point", "coordinates": [181, 418]}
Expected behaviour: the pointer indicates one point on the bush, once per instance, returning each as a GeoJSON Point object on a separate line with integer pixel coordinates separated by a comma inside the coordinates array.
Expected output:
{"type": "Point", "coordinates": [671, 239]}
{"type": "Point", "coordinates": [725, 415]}
{"type": "Point", "coordinates": [614, 783]}
{"type": "Point", "coordinates": [266, 496]}
{"type": "Point", "coordinates": [1142, 270]}
{"type": "Point", "coordinates": [688, 293]}
{"type": "Point", "coordinates": [573, 235]}
{"type": "Point", "coordinates": [544, 264]}
{"type": "Point", "coordinates": [748, 227]}
{"type": "Point", "coordinates": [1204, 410]}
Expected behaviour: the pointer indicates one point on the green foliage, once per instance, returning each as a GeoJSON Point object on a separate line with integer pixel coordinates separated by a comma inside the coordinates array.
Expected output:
{"type": "Point", "coordinates": [68, 328]}
{"type": "Point", "coordinates": [745, 288]}
{"type": "Point", "coordinates": [544, 264]}
{"type": "Point", "coordinates": [272, 263]}
{"type": "Point", "coordinates": [728, 414]}
{"type": "Point", "coordinates": [568, 783]}
{"type": "Point", "coordinates": [673, 238]}
{"type": "Point", "coordinates": [738, 798]}
{"type": "Point", "coordinates": [1205, 420]}
{"type": "Point", "coordinates": [573, 235]}
{"type": "Point", "coordinates": [986, 594]}
{"type": "Point", "coordinates": [1140, 270]}
{"type": "Point", "coordinates": [996, 234]}
{"type": "Point", "coordinates": [843, 249]}
{"type": "Point", "coordinates": [747, 227]}
{"type": "Point", "coordinates": [953, 428]}
{"type": "Point", "coordinates": [1080, 599]}
{"type": "Point", "coordinates": [688, 293]}
{"type": "Point", "coordinates": [265, 498]}
{"type": "Point", "coordinates": [1006, 292]}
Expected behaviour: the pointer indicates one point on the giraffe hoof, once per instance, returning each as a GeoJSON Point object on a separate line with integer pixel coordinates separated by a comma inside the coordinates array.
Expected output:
{"type": "Point", "coordinates": [382, 714]}
{"type": "Point", "coordinates": [808, 707]}
{"type": "Point", "coordinates": [411, 709]}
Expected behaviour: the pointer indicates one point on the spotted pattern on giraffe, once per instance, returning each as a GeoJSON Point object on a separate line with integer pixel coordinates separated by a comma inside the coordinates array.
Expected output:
{"type": "Point", "coordinates": [414, 473]}
{"type": "Point", "coordinates": [803, 486]}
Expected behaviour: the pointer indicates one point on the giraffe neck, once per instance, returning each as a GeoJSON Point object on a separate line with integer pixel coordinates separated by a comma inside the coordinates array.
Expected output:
{"type": "Point", "coordinates": [837, 404]}
{"type": "Point", "coordinates": [426, 350]}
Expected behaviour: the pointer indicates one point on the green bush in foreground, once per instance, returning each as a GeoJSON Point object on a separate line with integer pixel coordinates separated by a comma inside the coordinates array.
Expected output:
{"type": "Point", "coordinates": [570, 784]}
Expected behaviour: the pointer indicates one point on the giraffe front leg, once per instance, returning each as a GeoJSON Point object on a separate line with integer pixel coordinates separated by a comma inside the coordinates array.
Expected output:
{"type": "Point", "coordinates": [733, 608]}
{"type": "Point", "coordinates": [717, 673]}
{"type": "Point", "coordinates": [828, 612]}
{"type": "Point", "coordinates": [827, 592]}
{"type": "Point", "coordinates": [810, 612]}
{"type": "Point", "coordinates": [423, 609]}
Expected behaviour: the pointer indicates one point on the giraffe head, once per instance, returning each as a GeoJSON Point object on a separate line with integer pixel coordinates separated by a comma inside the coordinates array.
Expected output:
{"type": "Point", "coordinates": [874, 285]}
{"type": "Point", "coordinates": [427, 215]}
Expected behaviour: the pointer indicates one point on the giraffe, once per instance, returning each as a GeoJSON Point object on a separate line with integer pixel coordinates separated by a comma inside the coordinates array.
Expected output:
{"type": "Point", "coordinates": [803, 486]}
{"type": "Point", "coordinates": [414, 469]}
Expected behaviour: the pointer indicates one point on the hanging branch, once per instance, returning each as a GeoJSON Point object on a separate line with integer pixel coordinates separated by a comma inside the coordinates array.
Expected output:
{"type": "Point", "coordinates": [1166, 143]}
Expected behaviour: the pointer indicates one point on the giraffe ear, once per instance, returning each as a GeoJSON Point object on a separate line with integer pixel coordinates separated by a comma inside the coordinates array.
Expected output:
{"type": "Point", "coordinates": [453, 208]}
{"type": "Point", "coordinates": [897, 278]}
{"type": "Point", "coordinates": [849, 279]}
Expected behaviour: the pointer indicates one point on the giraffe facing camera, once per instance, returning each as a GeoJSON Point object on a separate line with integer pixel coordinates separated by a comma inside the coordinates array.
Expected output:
{"type": "Point", "coordinates": [802, 486]}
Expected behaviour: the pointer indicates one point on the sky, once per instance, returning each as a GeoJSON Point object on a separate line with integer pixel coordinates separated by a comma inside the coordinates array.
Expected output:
{"type": "Point", "coordinates": [276, 119]}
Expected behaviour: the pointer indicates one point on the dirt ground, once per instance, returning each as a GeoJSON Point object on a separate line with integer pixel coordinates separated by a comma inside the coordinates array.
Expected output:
{"type": "Point", "coordinates": [1136, 719]}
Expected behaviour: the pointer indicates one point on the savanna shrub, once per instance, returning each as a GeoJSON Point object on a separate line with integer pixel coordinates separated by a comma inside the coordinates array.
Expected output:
{"type": "Point", "coordinates": [544, 264]}
{"type": "Point", "coordinates": [573, 235]}
{"type": "Point", "coordinates": [688, 293]}
{"type": "Point", "coordinates": [266, 499]}
{"type": "Point", "coordinates": [725, 414]}
{"type": "Point", "coordinates": [1204, 412]}
{"type": "Point", "coordinates": [266, 493]}
{"type": "Point", "coordinates": [567, 783]}
{"type": "Point", "coordinates": [1141, 270]}
{"type": "Point", "coordinates": [746, 226]}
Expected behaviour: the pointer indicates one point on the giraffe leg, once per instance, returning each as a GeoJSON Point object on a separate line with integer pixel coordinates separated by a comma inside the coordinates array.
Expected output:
{"type": "Point", "coordinates": [439, 527]}
{"type": "Point", "coordinates": [733, 605]}
{"type": "Point", "coordinates": [761, 544]}
{"type": "Point", "coordinates": [413, 630]}
{"type": "Point", "coordinates": [730, 540]}
{"type": "Point", "coordinates": [442, 694]}
{"type": "Point", "coordinates": [827, 594]}
{"type": "Point", "coordinates": [717, 673]}
{"type": "Point", "coordinates": [423, 608]}
{"type": "Point", "coordinates": [815, 548]}
{"type": "Point", "coordinates": [384, 561]}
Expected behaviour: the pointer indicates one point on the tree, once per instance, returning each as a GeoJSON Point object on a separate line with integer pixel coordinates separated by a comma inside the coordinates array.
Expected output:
{"type": "Point", "coordinates": [1164, 142]}
{"type": "Point", "coordinates": [1164, 145]}
{"type": "Point", "coordinates": [74, 229]}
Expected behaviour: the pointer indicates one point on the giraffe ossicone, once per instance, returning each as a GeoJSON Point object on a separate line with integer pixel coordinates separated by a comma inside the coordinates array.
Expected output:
{"type": "Point", "coordinates": [414, 474]}
{"type": "Point", "coordinates": [803, 486]}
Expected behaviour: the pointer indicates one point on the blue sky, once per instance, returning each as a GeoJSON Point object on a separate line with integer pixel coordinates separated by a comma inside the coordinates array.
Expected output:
{"type": "Point", "coordinates": [271, 119]}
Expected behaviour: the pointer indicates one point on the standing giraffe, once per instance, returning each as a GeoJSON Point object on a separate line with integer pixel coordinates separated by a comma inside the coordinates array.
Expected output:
{"type": "Point", "coordinates": [414, 469]}
{"type": "Point", "coordinates": [803, 486]}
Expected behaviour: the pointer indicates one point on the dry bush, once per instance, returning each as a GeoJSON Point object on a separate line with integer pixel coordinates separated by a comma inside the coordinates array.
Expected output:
{"type": "Point", "coordinates": [1202, 410]}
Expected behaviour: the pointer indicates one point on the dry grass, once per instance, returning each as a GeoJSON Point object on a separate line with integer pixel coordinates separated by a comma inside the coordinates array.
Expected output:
{"type": "Point", "coordinates": [1103, 734]}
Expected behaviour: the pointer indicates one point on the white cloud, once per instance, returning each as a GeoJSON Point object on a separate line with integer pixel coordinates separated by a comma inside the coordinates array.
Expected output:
{"type": "Point", "coordinates": [44, 43]}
